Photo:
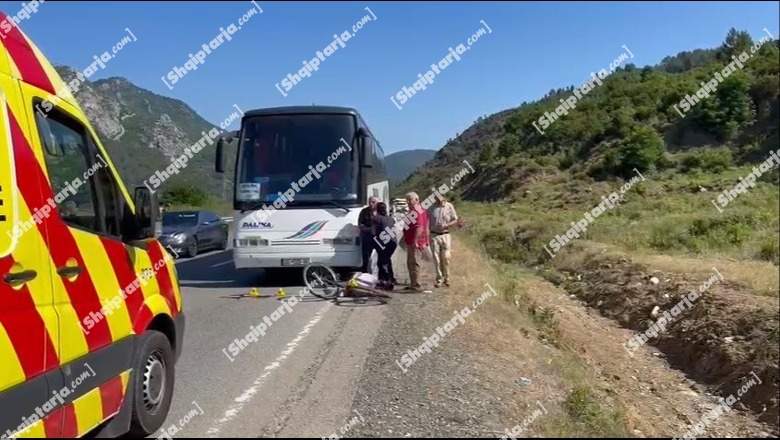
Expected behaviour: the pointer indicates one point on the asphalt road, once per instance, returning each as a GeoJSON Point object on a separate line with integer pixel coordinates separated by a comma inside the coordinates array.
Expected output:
{"type": "Point", "coordinates": [297, 380]}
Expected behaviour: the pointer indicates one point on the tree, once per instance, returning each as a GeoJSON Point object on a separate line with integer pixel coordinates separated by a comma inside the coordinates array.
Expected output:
{"type": "Point", "coordinates": [488, 153]}
{"type": "Point", "coordinates": [508, 146]}
{"type": "Point", "coordinates": [763, 91]}
{"type": "Point", "coordinates": [728, 112]}
{"type": "Point", "coordinates": [184, 195]}
{"type": "Point", "coordinates": [642, 149]}
{"type": "Point", "coordinates": [736, 42]}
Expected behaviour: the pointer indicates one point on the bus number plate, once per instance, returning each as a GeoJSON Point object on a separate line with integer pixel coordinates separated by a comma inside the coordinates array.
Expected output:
{"type": "Point", "coordinates": [295, 261]}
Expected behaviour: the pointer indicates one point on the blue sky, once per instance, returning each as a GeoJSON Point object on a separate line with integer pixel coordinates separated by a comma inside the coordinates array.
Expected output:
{"type": "Point", "coordinates": [533, 47]}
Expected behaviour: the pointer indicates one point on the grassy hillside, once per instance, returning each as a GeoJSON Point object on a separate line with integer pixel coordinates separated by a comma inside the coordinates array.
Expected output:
{"type": "Point", "coordinates": [666, 234]}
{"type": "Point", "coordinates": [629, 123]}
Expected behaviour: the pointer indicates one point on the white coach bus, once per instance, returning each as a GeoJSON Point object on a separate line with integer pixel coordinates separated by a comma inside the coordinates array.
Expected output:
{"type": "Point", "coordinates": [317, 166]}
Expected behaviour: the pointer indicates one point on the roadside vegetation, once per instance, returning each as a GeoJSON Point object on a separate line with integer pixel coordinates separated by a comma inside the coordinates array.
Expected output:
{"type": "Point", "coordinates": [186, 198]}
{"type": "Point", "coordinates": [666, 235]}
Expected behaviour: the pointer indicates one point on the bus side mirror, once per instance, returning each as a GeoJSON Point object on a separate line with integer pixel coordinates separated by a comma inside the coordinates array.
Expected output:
{"type": "Point", "coordinates": [218, 165]}
{"type": "Point", "coordinates": [367, 147]}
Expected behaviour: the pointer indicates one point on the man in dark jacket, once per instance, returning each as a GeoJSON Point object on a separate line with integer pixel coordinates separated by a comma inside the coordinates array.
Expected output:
{"type": "Point", "coordinates": [383, 222]}
{"type": "Point", "coordinates": [365, 223]}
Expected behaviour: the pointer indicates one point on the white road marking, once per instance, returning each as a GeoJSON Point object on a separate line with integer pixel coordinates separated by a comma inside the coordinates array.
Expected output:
{"type": "Point", "coordinates": [247, 395]}
{"type": "Point", "coordinates": [222, 263]}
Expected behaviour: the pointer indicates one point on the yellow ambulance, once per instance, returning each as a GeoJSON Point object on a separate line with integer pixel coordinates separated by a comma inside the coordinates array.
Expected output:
{"type": "Point", "coordinates": [91, 321]}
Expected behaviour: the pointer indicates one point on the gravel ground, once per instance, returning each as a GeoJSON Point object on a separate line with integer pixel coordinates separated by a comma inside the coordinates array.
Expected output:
{"type": "Point", "coordinates": [445, 393]}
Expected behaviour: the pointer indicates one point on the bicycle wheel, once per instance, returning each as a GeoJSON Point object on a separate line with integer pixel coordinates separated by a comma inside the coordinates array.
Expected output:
{"type": "Point", "coordinates": [321, 281]}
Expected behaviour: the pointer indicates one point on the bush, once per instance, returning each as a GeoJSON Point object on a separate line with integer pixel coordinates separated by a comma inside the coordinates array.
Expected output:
{"type": "Point", "coordinates": [488, 153]}
{"type": "Point", "coordinates": [642, 149]}
{"type": "Point", "coordinates": [499, 245]}
{"type": "Point", "coordinates": [714, 232]}
{"type": "Point", "coordinates": [769, 251]}
{"type": "Point", "coordinates": [567, 160]}
{"type": "Point", "coordinates": [666, 236]}
{"type": "Point", "coordinates": [666, 162]}
{"type": "Point", "coordinates": [709, 160]}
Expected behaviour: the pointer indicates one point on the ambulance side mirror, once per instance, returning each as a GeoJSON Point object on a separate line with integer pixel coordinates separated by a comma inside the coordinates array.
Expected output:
{"type": "Point", "coordinates": [146, 222]}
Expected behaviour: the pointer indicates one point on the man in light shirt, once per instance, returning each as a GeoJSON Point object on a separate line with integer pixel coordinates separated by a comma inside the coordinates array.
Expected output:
{"type": "Point", "coordinates": [442, 217]}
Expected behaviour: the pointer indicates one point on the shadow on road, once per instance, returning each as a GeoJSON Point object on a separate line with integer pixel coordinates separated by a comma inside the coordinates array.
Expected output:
{"type": "Point", "coordinates": [359, 302]}
{"type": "Point", "coordinates": [216, 270]}
{"type": "Point", "coordinates": [266, 297]}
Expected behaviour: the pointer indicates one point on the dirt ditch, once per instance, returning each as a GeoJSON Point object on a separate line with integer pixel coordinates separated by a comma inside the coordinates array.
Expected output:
{"type": "Point", "coordinates": [718, 339]}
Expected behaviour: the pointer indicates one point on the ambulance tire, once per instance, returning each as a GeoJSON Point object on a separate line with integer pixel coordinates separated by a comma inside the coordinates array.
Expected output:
{"type": "Point", "coordinates": [153, 380]}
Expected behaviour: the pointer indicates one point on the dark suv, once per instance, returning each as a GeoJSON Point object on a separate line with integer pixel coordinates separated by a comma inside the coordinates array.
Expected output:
{"type": "Point", "coordinates": [189, 232]}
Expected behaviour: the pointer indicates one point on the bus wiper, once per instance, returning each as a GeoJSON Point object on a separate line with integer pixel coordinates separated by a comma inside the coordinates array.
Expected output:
{"type": "Point", "coordinates": [340, 206]}
{"type": "Point", "coordinates": [252, 207]}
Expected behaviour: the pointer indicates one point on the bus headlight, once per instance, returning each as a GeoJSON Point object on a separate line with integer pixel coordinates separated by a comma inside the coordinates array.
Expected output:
{"type": "Point", "coordinates": [341, 241]}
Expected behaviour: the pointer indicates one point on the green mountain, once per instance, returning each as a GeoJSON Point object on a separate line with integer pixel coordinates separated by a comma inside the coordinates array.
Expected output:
{"type": "Point", "coordinates": [401, 164]}
{"type": "Point", "coordinates": [143, 132]}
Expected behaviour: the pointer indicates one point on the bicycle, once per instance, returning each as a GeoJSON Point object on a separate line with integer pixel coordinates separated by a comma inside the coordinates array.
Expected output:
{"type": "Point", "coordinates": [323, 283]}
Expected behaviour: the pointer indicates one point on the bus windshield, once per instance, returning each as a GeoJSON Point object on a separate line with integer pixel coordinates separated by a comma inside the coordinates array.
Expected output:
{"type": "Point", "coordinates": [277, 151]}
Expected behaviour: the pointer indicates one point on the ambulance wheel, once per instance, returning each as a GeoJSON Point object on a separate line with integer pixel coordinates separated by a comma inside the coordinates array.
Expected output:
{"type": "Point", "coordinates": [153, 376]}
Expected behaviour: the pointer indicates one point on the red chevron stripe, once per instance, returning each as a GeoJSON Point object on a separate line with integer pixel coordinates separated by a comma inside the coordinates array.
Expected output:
{"type": "Point", "coordinates": [143, 320]}
{"type": "Point", "coordinates": [61, 245]}
{"type": "Point", "coordinates": [111, 394]}
{"type": "Point", "coordinates": [62, 423]}
{"type": "Point", "coordinates": [25, 327]}
{"type": "Point", "coordinates": [123, 264]}
{"type": "Point", "coordinates": [52, 423]}
{"type": "Point", "coordinates": [70, 424]}
{"type": "Point", "coordinates": [157, 254]}
{"type": "Point", "coordinates": [29, 65]}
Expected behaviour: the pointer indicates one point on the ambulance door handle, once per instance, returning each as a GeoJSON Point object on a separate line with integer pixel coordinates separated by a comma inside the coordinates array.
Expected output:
{"type": "Point", "coordinates": [16, 279]}
{"type": "Point", "coordinates": [69, 271]}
